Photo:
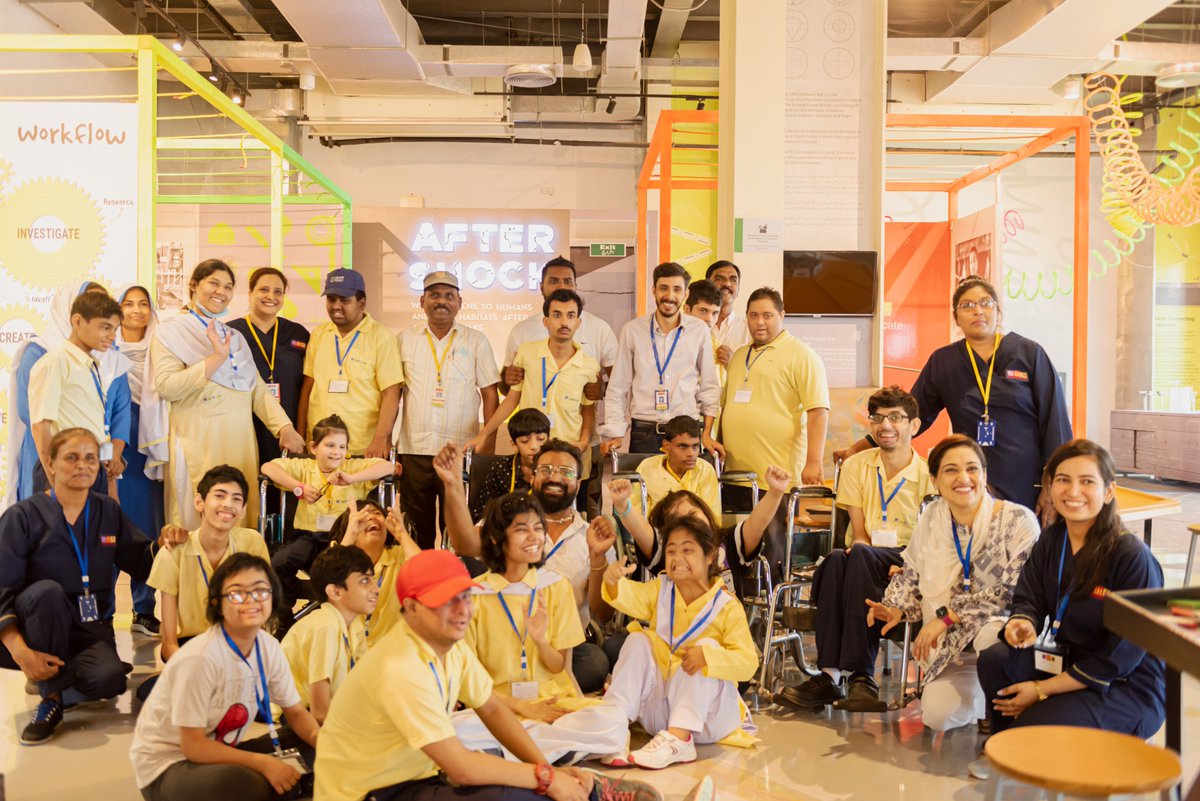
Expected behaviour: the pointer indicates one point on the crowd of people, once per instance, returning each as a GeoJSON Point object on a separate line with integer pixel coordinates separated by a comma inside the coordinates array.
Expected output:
{"type": "Point", "coordinates": [463, 640]}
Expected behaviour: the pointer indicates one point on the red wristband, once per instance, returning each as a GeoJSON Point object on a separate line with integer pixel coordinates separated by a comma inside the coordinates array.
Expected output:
{"type": "Point", "coordinates": [544, 774]}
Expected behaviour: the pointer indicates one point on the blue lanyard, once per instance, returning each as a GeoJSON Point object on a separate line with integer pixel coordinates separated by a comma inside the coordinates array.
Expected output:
{"type": "Point", "coordinates": [520, 634]}
{"type": "Point", "coordinates": [217, 323]}
{"type": "Point", "coordinates": [699, 624]}
{"type": "Point", "coordinates": [884, 503]}
{"type": "Point", "coordinates": [965, 560]}
{"type": "Point", "coordinates": [263, 699]}
{"type": "Point", "coordinates": [82, 557]}
{"type": "Point", "coordinates": [554, 550]}
{"type": "Point", "coordinates": [438, 679]}
{"type": "Point", "coordinates": [545, 386]}
{"type": "Point", "coordinates": [749, 363]}
{"type": "Point", "coordinates": [95, 372]}
{"type": "Point", "coordinates": [200, 562]}
{"type": "Point", "coordinates": [337, 346]}
{"type": "Point", "coordinates": [349, 653]}
{"type": "Point", "coordinates": [662, 367]}
{"type": "Point", "coordinates": [367, 622]}
{"type": "Point", "coordinates": [1062, 602]}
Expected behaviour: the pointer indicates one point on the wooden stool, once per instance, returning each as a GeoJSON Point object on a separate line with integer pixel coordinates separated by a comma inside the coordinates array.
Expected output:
{"type": "Point", "coordinates": [1079, 761]}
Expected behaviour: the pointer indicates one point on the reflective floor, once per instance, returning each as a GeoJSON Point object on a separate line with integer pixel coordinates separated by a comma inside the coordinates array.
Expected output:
{"type": "Point", "coordinates": [827, 756]}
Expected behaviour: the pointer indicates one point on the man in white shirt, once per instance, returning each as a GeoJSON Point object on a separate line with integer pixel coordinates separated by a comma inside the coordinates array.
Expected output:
{"type": "Point", "coordinates": [730, 329]}
{"type": "Point", "coordinates": [449, 372]}
{"type": "Point", "coordinates": [665, 368]}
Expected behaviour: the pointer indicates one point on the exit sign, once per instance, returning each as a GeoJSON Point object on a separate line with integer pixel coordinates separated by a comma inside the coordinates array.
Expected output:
{"type": "Point", "coordinates": [610, 250]}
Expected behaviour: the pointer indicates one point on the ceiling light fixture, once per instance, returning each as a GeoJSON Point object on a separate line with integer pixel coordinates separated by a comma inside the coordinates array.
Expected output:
{"type": "Point", "coordinates": [1179, 76]}
{"type": "Point", "coordinates": [582, 59]}
{"type": "Point", "coordinates": [700, 104]}
{"type": "Point", "coordinates": [612, 106]}
{"type": "Point", "coordinates": [177, 43]}
{"type": "Point", "coordinates": [236, 97]}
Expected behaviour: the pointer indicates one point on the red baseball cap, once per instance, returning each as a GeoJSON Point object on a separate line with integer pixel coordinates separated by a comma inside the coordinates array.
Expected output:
{"type": "Point", "coordinates": [433, 577]}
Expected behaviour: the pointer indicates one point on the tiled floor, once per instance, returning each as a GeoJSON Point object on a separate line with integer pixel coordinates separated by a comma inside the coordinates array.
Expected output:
{"type": "Point", "coordinates": [831, 756]}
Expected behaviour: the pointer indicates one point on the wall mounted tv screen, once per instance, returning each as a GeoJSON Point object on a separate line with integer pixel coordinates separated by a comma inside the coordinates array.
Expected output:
{"type": "Point", "coordinates": [829, 281]}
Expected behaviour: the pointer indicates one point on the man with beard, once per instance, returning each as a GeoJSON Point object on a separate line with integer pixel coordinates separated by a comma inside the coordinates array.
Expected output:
{"type": "Point", "coordinates": [730, 328]}
{"type": "Point", "coordinates": [556, 471]}
{"type": "Point", "coordinates": [665, 368]}
{"type": "Point", "coordinates": [451, 371]}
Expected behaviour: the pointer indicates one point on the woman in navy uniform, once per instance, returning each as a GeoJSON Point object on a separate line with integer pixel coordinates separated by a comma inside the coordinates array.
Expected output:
{"type": "Point", "coordinates": [1073, 671]}
{"type": "Point", "coordinates": [998, 388]}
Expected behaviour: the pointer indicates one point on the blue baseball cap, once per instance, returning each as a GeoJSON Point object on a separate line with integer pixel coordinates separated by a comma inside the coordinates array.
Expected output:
{"type": "Point", "coordinates": [344, 283]}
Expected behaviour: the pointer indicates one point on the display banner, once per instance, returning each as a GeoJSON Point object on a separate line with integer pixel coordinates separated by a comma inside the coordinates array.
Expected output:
{"type": "Point", "coordinates": [68, 212]}
{"type": "Point", "coordinates": [497, 255]}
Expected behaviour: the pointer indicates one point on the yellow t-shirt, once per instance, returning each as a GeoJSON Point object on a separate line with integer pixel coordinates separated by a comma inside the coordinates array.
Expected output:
{"type": "Point", "coordinates": [396, 701]}
{"type": "Point", "coordinates": [322, 647]}
{"type": "Point", "coordinates": [564, 397]}
{"type": "Point", "coordinates": [722, 372]}
{"type": "Point", "coordinates": [701, 479]}
{"type": "Point", "coordinates": [498, 647]}
{"type": "Point", "coordinates": [320, 516]}
{"type": "Point", "coordinates": [785, 379]}
{"type": "Point", "coordinates": [371, 364]}
{"type": "Point", "coordinates": [387, 611]}
{"type": "Point", "coordinates": [184, 571]}
{"type": "Point", "coordinates": [858, 486]}
{"type": "Point", "coordinates": [62, 391]}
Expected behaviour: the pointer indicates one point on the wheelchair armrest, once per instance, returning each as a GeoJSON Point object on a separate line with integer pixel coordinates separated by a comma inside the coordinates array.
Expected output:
{"type": "Point", "coordinates": [632, 476]}
{"type": "Point", "coordinates": [738, 477]}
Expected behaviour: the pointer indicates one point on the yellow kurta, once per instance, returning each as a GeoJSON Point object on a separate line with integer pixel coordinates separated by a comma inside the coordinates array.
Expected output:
{"type": "Point", "coordinates": [210, 425]}
{"type": "Point", "coordinates": [387, 611]}
{"type": "Point", "coordinates": [498, 647]}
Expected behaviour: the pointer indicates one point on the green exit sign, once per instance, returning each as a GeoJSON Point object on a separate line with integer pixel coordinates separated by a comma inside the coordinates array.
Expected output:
{"type": "Point", "coordinates": [611, 250]}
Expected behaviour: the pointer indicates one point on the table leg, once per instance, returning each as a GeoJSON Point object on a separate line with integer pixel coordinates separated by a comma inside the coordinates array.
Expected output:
{"type": "Point", "coordinates": [1147, 524]}
{"type": "Point", "coordinates": [1174, 709]}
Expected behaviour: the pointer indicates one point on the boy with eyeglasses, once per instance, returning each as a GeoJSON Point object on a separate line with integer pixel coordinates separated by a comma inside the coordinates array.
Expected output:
{"type": "Point", "coordinates": [881, 490]}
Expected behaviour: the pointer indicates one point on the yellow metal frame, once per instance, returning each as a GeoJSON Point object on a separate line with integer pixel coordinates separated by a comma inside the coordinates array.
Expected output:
{"type": "Point", "coordinates": [151, 56]}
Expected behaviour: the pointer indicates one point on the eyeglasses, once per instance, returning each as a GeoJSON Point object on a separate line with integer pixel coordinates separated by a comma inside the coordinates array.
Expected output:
{"type": "Point", "coordinates": [240, 597]}
{"type": "Point", "coordinates": [970, 305]}
{"type": "Point", "coordinates": [548, 470]}
{"type": "Point", "coordinates": [894, 417]}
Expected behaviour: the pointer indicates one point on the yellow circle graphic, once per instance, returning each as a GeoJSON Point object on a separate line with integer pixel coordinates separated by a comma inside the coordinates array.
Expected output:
{"type": "Point", "coordinates": [51, 231]}
{"type": "Point", "coordinates": [17, 324]}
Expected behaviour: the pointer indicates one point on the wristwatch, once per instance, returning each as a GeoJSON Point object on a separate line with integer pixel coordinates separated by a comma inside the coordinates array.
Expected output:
{"type": "Point", "coordinates": [943, 614]}
{"type": "Point", "coordinates": [544, 775]}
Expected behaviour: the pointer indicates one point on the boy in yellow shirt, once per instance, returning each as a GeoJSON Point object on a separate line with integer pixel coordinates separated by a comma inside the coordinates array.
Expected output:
{"type": "Point", "coordinates": [181, 575]}
{"type": "Point", "coordinates": [681, 467]}
{"type": "Point", "coordinates": [324, 646]}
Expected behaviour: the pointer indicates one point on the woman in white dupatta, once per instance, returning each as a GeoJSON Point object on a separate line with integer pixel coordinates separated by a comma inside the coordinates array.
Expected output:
{"type": "Point", "coordinates": [960, 570]}
{"type": "Point", "coordinates": [205, 372]}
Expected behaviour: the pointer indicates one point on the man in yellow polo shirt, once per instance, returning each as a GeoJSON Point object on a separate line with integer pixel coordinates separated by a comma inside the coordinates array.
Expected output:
{"type": "Point", "coordinates": [389, 736]}
{"type": "Point", "coordinates": [680, 468]}
{"type": "Point", "coordinates": [353, 368]}
{"type": "Point", "coordinates": [776, 401]}
{"type": "Point", "coordinates": [881, 489]}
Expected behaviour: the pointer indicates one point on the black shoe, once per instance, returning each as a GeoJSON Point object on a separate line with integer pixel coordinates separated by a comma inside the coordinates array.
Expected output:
{"type": "Point", "coordinates": [46, 720]}
{"type": "Point", "coordinates": [145, 624]}
{"type": "Point", "coordinates": [862, 696]}
{"type": "Point", "coordinates": [815, 693]}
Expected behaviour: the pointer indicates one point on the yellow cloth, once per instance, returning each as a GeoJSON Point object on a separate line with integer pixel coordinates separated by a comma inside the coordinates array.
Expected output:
{"type": "Point", "coordinates": [319, 648]}
{"type": "Point", "coordinates": [785, 381]}
{"type": "Point", "coordinates": [62, 391]}
{"type": "Point", "coordinates": [701, 479]}
{"type": "Point", "coordinates": [565, 399]}
{"type": "Point", "coordinates": [335, 500]}
{"type": "Point", "coordinates": [182, 572]}
{"type": "Point", "coordinates": [387, 611]}
{"type": "Point", "coordinates": [493, 640]}
{"type": "Point", "coordinates": [722, 373]}
{"type": "Point", "coordinates": [210, 425]}
{"type": "Point", "coordinates": [859, 487]}
{"type": "Point", "coordinates": [371, 366]}
{"type": "Point", "coordinates": [388, 709]}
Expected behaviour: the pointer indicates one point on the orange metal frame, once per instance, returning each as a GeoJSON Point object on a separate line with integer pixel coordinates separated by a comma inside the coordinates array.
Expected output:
{"type": "Point", "coordinates": [660, 153]}
{"type": "Point", "coordinates": [1060, 128]}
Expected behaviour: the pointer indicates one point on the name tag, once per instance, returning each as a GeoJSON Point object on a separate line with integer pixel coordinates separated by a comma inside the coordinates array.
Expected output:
{"type": "Point", "coordinates": [1049, 658]}
{"type": "Point", "coordinates": [439, 395]}
{"type": "Point", "coordinates": [339, 386]}
{"type": "Point", "coordinates": [524, 690]}
{"type": "Point", "coordinates": [293, 760]}
{"type": "Point", "coordinates": [662, 400]}
{"type": "Point", "coordinates": [88, 612]}
{"type": "Point", "coordinates": [325, 522]}
{"type": "Point", "coordinates": [885, 538]}
{"type": "Point", "coordinates": [741, 396]}
{"type": "Point", "coordinates": [106, 452]}
{"type": "Point", "coordinates": [985, 433]}
{"type": "Point", "coordinates": [274, 390]}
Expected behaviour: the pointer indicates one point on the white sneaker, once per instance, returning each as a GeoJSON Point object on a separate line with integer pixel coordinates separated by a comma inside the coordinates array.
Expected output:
{"type": "Point", "coordinates": [705, 790]}
{"type": "Point", "coordinates": [980, 769]}
{"type": "Point", "coordinates": [620, 760]}
{"type": "Point", "coordinates": [665, 749]}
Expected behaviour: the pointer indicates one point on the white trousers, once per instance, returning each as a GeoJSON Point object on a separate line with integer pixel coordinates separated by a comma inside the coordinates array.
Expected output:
{"type": "Point", "coordinates": [709, 708]}
{"type": "Point", "coordinates": [955, 698]}
{"type": "Point", "coordinates": [597, 730]}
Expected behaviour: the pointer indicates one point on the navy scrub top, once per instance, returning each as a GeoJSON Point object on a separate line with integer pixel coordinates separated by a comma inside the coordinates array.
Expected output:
{"type": "Point", "coordinates": [289, 373]}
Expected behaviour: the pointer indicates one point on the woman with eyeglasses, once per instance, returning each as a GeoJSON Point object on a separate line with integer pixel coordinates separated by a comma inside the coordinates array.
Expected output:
{"type": "Point", "coordinates": [998, 388]}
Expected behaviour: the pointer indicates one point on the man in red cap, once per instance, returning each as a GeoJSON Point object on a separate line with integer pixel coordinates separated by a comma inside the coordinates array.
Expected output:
{"type": "Point", "coordinates": [389, 736]}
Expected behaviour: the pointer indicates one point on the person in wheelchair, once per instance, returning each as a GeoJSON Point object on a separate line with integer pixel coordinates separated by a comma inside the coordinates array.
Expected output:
{"type": "Point", "coordinates": [881, 491]}
{"type": "Point", "coordinates": [960, 570]}
{"type": "Point", "coordinates": [680, 467]}
{"type": "Point", "coordinates": [529, 429]}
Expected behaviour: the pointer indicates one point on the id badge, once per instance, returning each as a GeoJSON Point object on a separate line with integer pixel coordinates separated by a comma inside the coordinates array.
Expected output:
{"type": "Point", "coordinates": [439, 395]}
{"type": "Point", "coordinates": [274, 390]}
{"type": "Point", "coordinates": [291, 757]}
{"type": "Point", "coordinates": [325, 522]}
{"type": "Point", "coordinates": [741, 396]}
{"type": "Point", "coordinates": [524, 690]}
{"type": "Point", "coordinates": [339, 386]}
{"type": "Point", "coordinates": [88, 612]}
{"type": "Point", "coordinates": [885, 538]}
{"type": "Point", "coordinates": [1049, 658]}
{"type": "Point", "coordinates": [106, 452]}
{"type": "Point", "coordinates": [662, 400]}
{"type": "Point", "coordinates": [985, 434]}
